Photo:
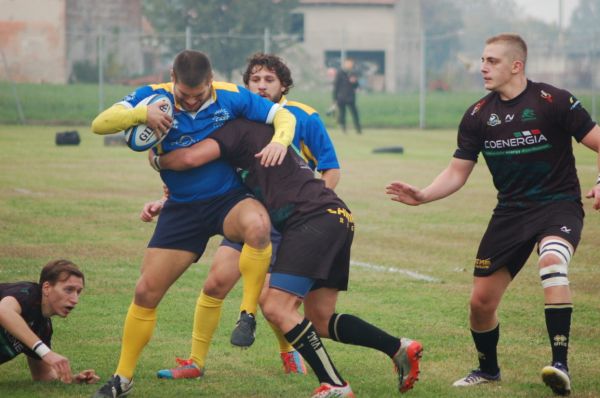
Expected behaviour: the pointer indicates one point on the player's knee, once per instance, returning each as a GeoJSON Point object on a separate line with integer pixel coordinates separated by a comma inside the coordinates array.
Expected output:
{"type": "Point", "coordinates": [554, 260]}
{"type": "Point", "coordinates": [271, 310]}
{"type": "Point", "coordinates": [215, 287]}
{"type": "Point", "coordinates": [481, 307]}
{"type": "Point", "coordinates": [147, 294]}
{"type": "Point", "coordinates": [258, 233]}
{"type": "Point", "coordinates": [278, 307]}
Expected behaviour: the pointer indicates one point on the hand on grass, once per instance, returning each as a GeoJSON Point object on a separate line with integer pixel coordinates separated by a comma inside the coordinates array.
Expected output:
{"type": "Point", "coordinates": [87, 376]}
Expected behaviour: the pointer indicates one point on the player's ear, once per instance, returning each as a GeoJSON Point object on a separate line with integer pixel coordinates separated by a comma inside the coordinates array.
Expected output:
{"type": "Point", "coordinates": [46, 288]}
{"type": "Point", "coordinates": [518, 66]}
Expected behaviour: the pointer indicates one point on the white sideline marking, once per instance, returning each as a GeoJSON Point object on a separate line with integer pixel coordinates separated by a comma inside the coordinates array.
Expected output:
{"type": "Point", "coordinates": [381, 268]}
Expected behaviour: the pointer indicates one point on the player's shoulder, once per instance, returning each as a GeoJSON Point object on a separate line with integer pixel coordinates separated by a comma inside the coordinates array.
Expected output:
{"type": "Point", "coordinates": [226, 87]}
{"type": "Point", "coordinates": [301, 107]}
{"type": "Point", "coordinates": [143, 92]}
{"type": "Point", "coordinates": [475, 109]}
{"type": "Point", "coordinates": [548, 93]}
{"type": "Point", "coordinates": [20, 289]}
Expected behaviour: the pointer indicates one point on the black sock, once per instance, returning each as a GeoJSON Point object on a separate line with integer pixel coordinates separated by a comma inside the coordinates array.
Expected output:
{"type": "Point", "coordinates": [486, 344]}
{"type": "Point", "coordinates": [558, 323]}
{"type": "Point", "coordinates": [305, 340]}
{"type": "Point", "coordinates": [349, 329]}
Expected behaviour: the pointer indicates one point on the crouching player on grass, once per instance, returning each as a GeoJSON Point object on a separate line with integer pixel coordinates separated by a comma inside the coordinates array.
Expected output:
{"type": "Point", "coordinates": [313, 259]}
{"type": "Point", "coordinates": [25, 325]}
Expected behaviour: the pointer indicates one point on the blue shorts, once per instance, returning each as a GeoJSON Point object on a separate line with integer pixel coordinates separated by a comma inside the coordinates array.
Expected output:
{"type": "Point", "coordinates": [275, 240]}
{"type": "Point", "coordinates": [189, 225]}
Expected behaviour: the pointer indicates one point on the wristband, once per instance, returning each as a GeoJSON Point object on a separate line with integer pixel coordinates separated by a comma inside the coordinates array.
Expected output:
{"type": "Point", "coordinates": [155, 162]}
{"type": "Point", "coordinates": [40, 348]}
{"type": "Point", "coordinates": [598, 180]}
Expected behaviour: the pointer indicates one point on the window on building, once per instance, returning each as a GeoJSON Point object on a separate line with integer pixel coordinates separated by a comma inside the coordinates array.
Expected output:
{"type": "Point", "coordinates": [297, 26]}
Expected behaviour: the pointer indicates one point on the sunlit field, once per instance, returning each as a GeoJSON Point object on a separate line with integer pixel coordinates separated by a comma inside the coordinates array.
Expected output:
{"type": "Point", "coordinates": [83, 203]}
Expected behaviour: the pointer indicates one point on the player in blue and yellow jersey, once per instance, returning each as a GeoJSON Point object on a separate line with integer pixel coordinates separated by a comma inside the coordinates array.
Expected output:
{"type": "Point", "coordinates": [203, 201]}
{"type": "Point", "coordinates": [268, 76]}
{"type": "Point", "coordinates": [524, 130]}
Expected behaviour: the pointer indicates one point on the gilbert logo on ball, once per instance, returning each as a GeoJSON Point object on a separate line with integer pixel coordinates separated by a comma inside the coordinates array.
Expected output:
{"type": "Point", "coordinates": [141, 137]}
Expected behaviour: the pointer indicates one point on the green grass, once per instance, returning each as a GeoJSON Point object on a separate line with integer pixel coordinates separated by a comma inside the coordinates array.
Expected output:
{"type": "Point", "coordinates": [83, 202]}
{"type": "Point", "coordinates": [79, 104]}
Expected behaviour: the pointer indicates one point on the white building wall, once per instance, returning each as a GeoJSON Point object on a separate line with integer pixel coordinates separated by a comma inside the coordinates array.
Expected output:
{"type": "Point", "coordinates": [350, 28]}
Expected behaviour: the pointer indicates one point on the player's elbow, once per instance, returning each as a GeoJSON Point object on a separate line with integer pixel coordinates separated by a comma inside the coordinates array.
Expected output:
{"type": "Point", "coordinates": [99, 125]}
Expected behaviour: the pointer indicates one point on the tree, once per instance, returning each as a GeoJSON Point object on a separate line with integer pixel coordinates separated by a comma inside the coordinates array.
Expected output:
{"type": "Point", "coordinates": [227, 30]}
{"type": "Point", "coordinates": [443, 24]}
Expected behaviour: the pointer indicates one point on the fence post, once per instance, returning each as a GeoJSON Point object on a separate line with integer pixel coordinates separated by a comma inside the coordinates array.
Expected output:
{"type": "Point", "coordinates": [100, 69]}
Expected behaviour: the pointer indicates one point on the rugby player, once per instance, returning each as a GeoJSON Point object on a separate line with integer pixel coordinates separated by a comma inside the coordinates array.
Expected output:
{"type": "Point", "coordinates": [26, 327]}
{"type": "Point", "coordinates": [268, 76]}
{"type": "Point", "coordinates": [524, 130]}
{"type": "Point", "coordinates": [313, 259]}
{"type": "Point", "coordinates": [203, 201]}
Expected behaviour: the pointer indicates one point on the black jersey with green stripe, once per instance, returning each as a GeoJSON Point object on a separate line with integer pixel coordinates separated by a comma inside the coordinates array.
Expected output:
{"type": "Point", "coordinates": [289, 191]}
{"type": "Point", "coordinates": [527, 143]}
{"type": "Point", "coordinates": [29, 297]}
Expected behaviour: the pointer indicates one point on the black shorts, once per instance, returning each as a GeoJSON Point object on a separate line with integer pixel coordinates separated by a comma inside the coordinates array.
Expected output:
{"type": "Point", "coordinates": [189, 225]}
{"type": "Point", "coordinates": [318, 248]}
{"type": "Point", "coordinates": [512, 235]}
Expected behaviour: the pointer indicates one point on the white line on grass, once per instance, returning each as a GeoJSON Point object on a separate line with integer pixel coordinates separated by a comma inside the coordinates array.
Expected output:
{"type": "Point", "coordinates": [381, 268]}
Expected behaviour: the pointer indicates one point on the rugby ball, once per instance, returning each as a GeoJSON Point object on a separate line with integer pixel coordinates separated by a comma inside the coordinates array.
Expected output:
{"type": "Point", "coordinates": [141, 137]}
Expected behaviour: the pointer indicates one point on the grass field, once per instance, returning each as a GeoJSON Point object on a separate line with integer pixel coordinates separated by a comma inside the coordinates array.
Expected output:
{"type": "Point", "coordinates": [83, 202]}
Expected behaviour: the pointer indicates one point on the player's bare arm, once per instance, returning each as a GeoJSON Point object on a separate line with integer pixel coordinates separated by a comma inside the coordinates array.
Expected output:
{"type": "Point", "coordinates": [450, 180]}
{"type": "Point", "coordinates": [331, 177]}
{"type": "Point", "coordinates": [13, 322]}
{"type": "Point", "coordinates": [592, 141]}
{"type": "Point", "coordinates": [196, 155]}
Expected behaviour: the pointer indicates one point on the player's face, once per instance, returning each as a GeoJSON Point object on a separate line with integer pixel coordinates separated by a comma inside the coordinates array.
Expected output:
{"type": "Point", "coordinates": [496, 66]}
{"type": "Point", "coordinates": [192, 98]}
{"type": "Point", "coordinates": [265, 83]}
{"type": "Point", "coordinates": [62, 297]}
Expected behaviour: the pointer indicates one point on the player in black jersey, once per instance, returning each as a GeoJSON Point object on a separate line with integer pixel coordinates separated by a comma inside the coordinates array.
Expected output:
{"type": "Point", "coordinates": [25, 325]}
{"type": "Point", "coordinates": [524, 131]}
{"type": "Point", "coordinates": [313, 260]}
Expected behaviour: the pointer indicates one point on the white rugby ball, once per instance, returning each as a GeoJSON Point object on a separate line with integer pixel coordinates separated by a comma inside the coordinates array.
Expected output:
{"type": "Point", "coordinates": [141, 137]}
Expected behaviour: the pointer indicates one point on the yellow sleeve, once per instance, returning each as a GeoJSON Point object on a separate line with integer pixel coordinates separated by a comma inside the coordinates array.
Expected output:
{"type": "Point", "coordinates": [118, 118]}
{"type": "Point", "coordinates": [285, 125]}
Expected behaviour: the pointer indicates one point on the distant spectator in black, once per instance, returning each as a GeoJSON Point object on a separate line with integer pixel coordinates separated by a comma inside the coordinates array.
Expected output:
{"type": "Point", "coordinates": [344, 94]}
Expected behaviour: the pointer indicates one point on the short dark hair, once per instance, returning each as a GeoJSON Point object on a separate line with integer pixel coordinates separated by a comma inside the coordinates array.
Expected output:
{"type": "Point", "coordinates": [58, 271]}
{"type": "Point", "coordinates": [272, 63]}
{"type": "Point", "coordinates": [191, 68]}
